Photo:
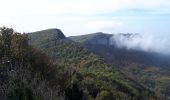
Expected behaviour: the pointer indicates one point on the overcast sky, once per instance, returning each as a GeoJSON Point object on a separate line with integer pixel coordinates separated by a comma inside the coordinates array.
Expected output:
{"type": "Point", "coordinates": [75, 17]}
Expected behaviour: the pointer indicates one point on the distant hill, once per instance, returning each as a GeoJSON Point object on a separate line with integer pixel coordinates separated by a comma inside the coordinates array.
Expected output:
{"type": "Point", "coordinates": [93, 78]}
{"type": "Point", "coordinates": [104, 44]}
{"type": "Point", "coordinates": [96, 38]}
{"type": "Point", "coordinates": [40, 37]}
{"type": "Point", "coordinates": [149, 68]}
{"type": "Point", "coordinates": [99, 38]}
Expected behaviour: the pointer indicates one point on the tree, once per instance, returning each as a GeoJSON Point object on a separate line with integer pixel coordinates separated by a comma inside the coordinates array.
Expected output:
{"type": "Point", "coordinates": [19, 45]}
{"type": "Point", "coordinates": [6, 36]}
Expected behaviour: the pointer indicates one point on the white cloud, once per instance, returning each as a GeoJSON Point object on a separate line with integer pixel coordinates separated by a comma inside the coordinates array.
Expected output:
{"type": "Point", "coordinates": [15, 7]}
{"type": "Point", "coordinates": [103, 26]}
{"type": "Point", "coordinates": [144, 42]}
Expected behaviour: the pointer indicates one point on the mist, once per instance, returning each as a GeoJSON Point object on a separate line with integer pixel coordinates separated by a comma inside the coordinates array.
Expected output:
{"type": "Point", "coordinates": [143, 42]}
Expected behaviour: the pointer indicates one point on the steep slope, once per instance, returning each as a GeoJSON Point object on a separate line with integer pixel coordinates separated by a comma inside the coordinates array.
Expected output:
{"type": "Point", "coordinates": [92, 78]}
{"type": "Point", "coordinates": [149, 68]}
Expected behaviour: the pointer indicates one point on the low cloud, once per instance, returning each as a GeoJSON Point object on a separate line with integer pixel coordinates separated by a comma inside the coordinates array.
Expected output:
{"type": "Point", "coordinates": [149, 43]}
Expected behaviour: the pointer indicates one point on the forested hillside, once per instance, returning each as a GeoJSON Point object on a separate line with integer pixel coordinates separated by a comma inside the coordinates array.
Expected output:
{"type": "Point", "coordinates": [91, 75]}
{"type": "Point", "coordinates": [148, 68]}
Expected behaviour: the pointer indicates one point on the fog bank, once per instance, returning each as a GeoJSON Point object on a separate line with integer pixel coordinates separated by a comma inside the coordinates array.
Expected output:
{"type": "Point", "coordinates": [144, 42]}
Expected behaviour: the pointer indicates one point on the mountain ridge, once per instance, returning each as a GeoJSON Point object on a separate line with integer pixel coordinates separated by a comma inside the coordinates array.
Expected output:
{"type": "Point", "coordinates": [91, 69]}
